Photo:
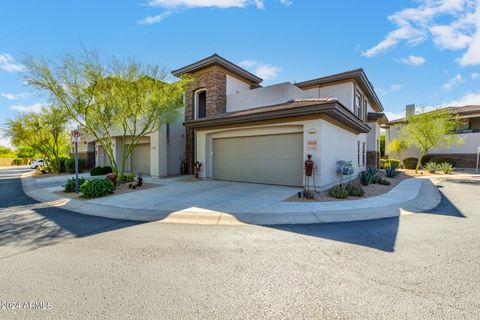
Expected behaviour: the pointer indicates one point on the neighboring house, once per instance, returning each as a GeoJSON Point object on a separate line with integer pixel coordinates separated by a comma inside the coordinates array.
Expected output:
{"type": "Point", "coordinates": [241, 131]}
{"type": "Point", "coordinates": [86, 151]}
{"type": "Point", "coordinates": [158, 154]}
{"type": "Point", "coordinates": [464, 154]}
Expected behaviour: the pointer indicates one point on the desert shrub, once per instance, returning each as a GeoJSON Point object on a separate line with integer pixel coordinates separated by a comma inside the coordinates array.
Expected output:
{"type": "Point", "coordinates": [97, 171]}
{"type": "Point", "coordinates": [355, 190]}
{"type": "Point", "coordinates": [431, 167]}
{"type": "Point", "coordinates": [62, 164]}
{"type": "Point", "coordinates": [339, 192]}
{"type": "Point", "coordinates": [391, 172]}
{"type": "Point", "coordinates": [379, 180]}
{"type": "Point", "coordinates": [107, 170]}
{"type": "Point", "coordinates": [410, 163]}
{"type": "Point", "coordinates": [127, 177]}
{"type": "Point", "coordinates": [96, 188]}
{"type": "Point", "coordinates": [446, 168]}
{"type": "Point", "coordinates": [440, 159]}
{"type": "Point", "coordinates": [70, 165]}
{"type": "Point", "coordinates": [365, 178]}
{"type": "Point", "coordinates": [18, 161]}
{"type": "Point", "coordinates": [394, 163]}
{"type": "Point", "coordinates": [383, 162]}
{"type": "Point", "coordinates": [70, 185]}
{"type": "Point", "coordinates": [372, 171]}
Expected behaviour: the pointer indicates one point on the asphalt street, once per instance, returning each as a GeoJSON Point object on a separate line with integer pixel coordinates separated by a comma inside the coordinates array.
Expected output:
{"type": "Point", "coordinates": [56, 264]}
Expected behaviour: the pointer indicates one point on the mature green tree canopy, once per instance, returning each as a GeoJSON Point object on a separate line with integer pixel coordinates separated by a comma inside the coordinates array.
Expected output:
{"type": "Point", "coordinates": [397, 145]}
{"type": "Point", "coordinates": [127, 100]}
{"type": "Point", "coordinates": [429, 130]}
{"type": "Point", "coordinates": [44, 132]}
{"type": "Point", "coordinates": [7, 152]}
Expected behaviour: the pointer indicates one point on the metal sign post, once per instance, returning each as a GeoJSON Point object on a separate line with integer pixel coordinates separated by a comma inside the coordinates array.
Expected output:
{"type": "Point", "coordinates": [76, 138]}
{"type": "Point", "coordinates": [478, 158]}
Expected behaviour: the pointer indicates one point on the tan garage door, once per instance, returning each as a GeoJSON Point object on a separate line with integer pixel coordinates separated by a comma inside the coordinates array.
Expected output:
{"type": "Point", "coordinates": [271, 159]}
{"type": "Point", "coordinates": [141, 159]}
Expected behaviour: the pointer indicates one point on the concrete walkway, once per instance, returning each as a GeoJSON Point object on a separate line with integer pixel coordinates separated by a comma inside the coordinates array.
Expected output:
{"type": "Point", "coordinates": [180, 200]}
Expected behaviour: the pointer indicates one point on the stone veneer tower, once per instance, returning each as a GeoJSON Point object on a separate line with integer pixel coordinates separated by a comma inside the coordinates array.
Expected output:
{"type": "Point", "coordinates": [209, 74]}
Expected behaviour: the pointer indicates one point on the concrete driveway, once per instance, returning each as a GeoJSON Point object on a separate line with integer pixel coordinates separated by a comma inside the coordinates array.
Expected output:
{"type": "Point", "coordinates": [183, 199]}
{"type": "Point", "coordinates": [179, 193]}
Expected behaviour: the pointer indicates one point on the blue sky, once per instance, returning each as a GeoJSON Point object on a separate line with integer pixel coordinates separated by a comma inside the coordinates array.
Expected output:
{"type": "Point", "coordinates": [425, 52]}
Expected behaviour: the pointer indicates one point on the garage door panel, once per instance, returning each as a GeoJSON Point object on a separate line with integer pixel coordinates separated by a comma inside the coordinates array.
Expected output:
{"type": "Point", "coordinates": [272, 159]}
{"type": "Point", "coordinates": [141, 159]}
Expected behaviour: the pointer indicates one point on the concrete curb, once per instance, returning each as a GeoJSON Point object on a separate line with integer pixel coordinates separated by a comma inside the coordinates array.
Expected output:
{"type": "Point", "coordinates": [426, 197]}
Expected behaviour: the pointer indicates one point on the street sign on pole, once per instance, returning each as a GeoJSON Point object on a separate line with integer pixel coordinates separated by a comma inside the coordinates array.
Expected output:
{"type": "Point", "coordinates": [478, 158]}
{"type": "Point", "coordinates": [76, 139]}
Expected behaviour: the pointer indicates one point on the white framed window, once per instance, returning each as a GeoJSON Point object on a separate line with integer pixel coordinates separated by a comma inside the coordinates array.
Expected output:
{"type": "Point", "coordinates": [358, 104]}
{"type": "Point", "coordinates": [200, 104]}
{"type": "Point", "coordinates": [365, 109]}
{"type": "Point", "coordinates": [358, 153]}
{"type": "Point", "coordinates": [364, 154]}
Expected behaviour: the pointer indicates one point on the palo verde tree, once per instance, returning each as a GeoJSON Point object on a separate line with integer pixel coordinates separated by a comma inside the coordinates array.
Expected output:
{"type": "Point", "coordinates": [44, 132]}
{"type": "Point", "coordinates": [397, 145]}
{"type": "Point", "coordinates": [118, 102]}
{"type": "Point", "coordinates": [429, 130]}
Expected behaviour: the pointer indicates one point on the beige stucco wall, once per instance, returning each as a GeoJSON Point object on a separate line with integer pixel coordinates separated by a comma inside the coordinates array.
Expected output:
{"type": "Point", "coordinates": [469, 144]}
{"type": "Point", "coordinates": [343, 92]}
{"type": "Point", "coordinates": [235, 85]}
{"type": "Point", "coordinates": [264, 96]}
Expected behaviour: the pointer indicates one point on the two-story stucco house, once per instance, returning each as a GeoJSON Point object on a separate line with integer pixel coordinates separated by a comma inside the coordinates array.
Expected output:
{"type": "Point", "coordinates": [464, 154]}
{"type": "Point", "coordinates": [241, 131]}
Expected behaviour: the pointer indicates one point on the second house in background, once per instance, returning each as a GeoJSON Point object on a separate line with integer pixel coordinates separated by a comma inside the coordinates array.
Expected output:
{"type": "Point", "coordinates": [241, 131]}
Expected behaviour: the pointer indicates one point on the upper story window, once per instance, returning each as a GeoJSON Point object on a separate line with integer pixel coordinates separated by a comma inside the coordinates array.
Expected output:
{"type": "Point", "coordinates": [358, 104]}
{"type": "Point", "coordinates": [200, 104]}
{"type": "Point", "coordinates": [365, 109]}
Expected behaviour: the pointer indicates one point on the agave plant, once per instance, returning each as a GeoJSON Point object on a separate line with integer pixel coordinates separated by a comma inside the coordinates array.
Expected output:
{"type": "Point", "coordinates": [391, 172]}
{"type": "Point", "coordinates": [446, 168]}
{"type": "Point", "coordinates": [365, 178]}
{"type": "Point", "coordinates": [432, 167]}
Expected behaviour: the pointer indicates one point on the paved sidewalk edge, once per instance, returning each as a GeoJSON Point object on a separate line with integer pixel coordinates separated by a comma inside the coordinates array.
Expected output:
{"type": "Point", "coordinates": [427, 198]}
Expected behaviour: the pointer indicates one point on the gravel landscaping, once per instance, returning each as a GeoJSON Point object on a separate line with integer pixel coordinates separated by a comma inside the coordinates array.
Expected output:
{"type": "Point", "coordinates": [371, 190]}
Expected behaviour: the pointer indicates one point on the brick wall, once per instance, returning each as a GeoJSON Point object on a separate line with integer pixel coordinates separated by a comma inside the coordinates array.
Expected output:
{"type": "Point", "coordinates": [373, 159]}
{"type": "Point", "coordinates": [213, 79]}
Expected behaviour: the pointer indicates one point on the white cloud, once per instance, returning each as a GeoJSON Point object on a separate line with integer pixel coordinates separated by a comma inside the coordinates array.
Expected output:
{"type": "Point", "coordinates": [11, 96]}
{"type": "Point", "coordinates": [475, 75]}
{"type": "Point", "coordinates": [156, 18]}
{"type": "Point", "coordinates": [452, 83]}
{"type": "Point", "coordinates": [5, 142]}
{"type": "Point", "coordinates": [9, 64]}
{"type": "Point", "coordinates": [198, 3]}
{"type": "Point", "coordinates": [394, 115]}
{"type": "Point", "coordinates": [262, 70]}
{"type": "Point", "coordinates": [391, 89]}
{"type": "Point", "coordinates": [36, 107]}
{"type": "Point", "coordinates": [174, 6]}
{"type": "Point", "coordinates": [472, 98]}
{"type": "Point", "coordinates": [413, 60]}
{"type": "Point", "coordinates": [452, 24]}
